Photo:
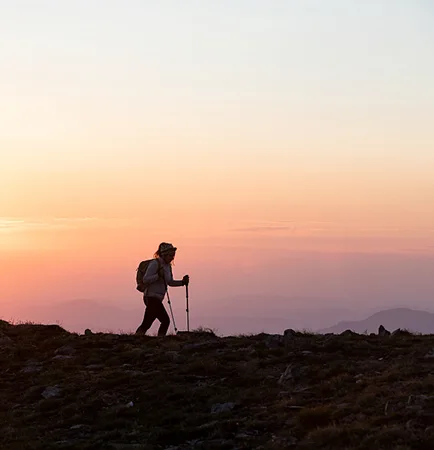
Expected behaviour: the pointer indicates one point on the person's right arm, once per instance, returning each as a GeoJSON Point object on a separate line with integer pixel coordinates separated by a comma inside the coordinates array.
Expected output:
{"type": "Point", "coordinates": [151, 274]}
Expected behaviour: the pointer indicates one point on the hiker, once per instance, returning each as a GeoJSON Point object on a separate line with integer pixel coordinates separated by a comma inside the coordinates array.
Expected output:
{"type": "Point", "coordinates": [157, 277]}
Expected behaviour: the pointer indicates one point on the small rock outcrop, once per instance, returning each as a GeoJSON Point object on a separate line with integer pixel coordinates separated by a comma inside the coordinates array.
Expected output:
{"type": "Point", "coordinates": [382, 331]}
{"type": "Point", "coordinates": [348, 333]}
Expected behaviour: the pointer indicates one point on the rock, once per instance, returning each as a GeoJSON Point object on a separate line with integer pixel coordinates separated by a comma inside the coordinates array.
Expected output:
{"type": "Point", "coordinates": [51, 391]}
{"type": "Point", "coordinates": [208, 425]}
{"type": "Point", "coordinates": [176, 357]}
{"type": "Point", "coordinates": [289, 333]}
{"type": "Point", "coordinates": [287, 376]}
{"type": "Point", "coordinates": [4, 324]}
{"type": "Point", "coordinates": [430, 354]}
{"type": "Point", "coordinates": [399, 332]}
{"type": "Point", "coordinates": [95, 367]}
{"type": "Point", "coordinates": [61, 357]}
{"type": "Point", "coordinates": [88, 332]}
{"type": "Point", "coordinates": [274, 340]}
{"type": "Point", "coordinates": [5, 341]}
{"type": "Point", "coordinates": [382, 331]}
{"type": "Point", "coordinates": [348, 333]}
{"type": "Point", "coordinates": [115, 446]}
{"type": "Point", "coordinates": [135, 373]}
{"type": "Point", "coordinates": [199, 345]}
{"type": "Point", "coordinates": [32, 394]}
{"type": "Point", "coordinates": [293, 374]}
{"type": "Point", "coordinates": [222, 407]}
{"type": "Point", "coordinates": [32, 367]}
{"type": "Point", "coordinates": [65, 350]}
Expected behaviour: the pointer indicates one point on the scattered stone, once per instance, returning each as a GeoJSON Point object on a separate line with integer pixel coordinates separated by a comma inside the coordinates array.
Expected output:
{"type": "Point", "coordinates": [199, 345]}
{"type": "Point", "coordinates": [51, 391]}
{"type": "Point", "coordinates": [4, 324]}
{"type": "Point", "coordinates": [291, 441]}
{"type": "Point", "coordinates": [5, 341]}
{"type": "Point", "coordinates": [287, 376]}
{"type": "Point", "coordinates": [208, 425]}
{"type": "Point", "coordinates": [222, 407]}
{"type": "Point", "coordinates": [210, 444]}
{"type": "Point", "coordinates": [65, 350]}
{"type": "Point", "coordinates": [126, 446]}
{"type": "Point", "coordinates": [306, 353]}
{"type": "Point", "coordinates": [135, 373]}
{"type": "Point", "coordinates": [289, 333]}
{"type": "Point", "coordinates": [382, 331]}
{"type": "Point", "coordinates": [420, 399]}
{"type": "Point", "coordinates": [176, 357]}
{"type": "Point", "coordinates": [32, 394]}
{"type": "Point", "coordinates": [348, 333]}
{"type": "Point", "coordinates": [61, 357]}
{"type": "Point", "coordinates": [137, 353]}
{"type": "Point", "coordinates": [243, 436]}
{"type": "Point", "coordinates": [88, 332]}
{"type": "Point", "coordinates": [399, 332]}
{"type": "Point", "coordinates": [32, 367]}
{"type": "Point", "coordinates": [95, 366]}
{"type": "Point", "coordinates": [274, 340]}
{"type": "Point", "coordinates": [430, 354]}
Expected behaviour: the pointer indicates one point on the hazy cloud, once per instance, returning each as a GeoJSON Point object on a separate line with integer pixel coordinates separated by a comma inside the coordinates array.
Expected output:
{"type": "Point", "coordinates": [11, 225]}
{"type": "Point", "coordinates": [328, 227]}
{"type": "Point", "coordinates": [263, 228]}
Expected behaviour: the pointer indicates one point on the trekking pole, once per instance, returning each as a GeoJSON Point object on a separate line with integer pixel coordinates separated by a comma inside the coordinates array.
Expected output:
{"type": "Point", "coordinates": [171, 312]}
{"type": "Point", "coordinates": [186, 299]}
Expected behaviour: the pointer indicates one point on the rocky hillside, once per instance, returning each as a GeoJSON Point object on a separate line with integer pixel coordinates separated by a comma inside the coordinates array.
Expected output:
{"type": "Point", "coordinates": [197, 391]}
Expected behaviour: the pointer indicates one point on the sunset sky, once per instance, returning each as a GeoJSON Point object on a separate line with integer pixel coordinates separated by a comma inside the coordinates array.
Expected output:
{"type": "Point", "coordinates": [285, 147]}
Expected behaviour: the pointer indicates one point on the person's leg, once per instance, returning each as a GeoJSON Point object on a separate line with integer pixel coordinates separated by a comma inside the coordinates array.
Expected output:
{"type": "Point", "coordinates": [150, 315]}
{"type": "Point", "coordinates": [163, 317]}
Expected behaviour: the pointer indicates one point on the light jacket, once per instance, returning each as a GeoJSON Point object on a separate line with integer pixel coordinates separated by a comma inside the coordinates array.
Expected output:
{"type": "Point", "coordinates": [156, 285]}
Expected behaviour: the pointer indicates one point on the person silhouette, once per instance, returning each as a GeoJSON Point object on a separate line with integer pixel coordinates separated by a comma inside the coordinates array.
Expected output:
{"type": "Point", "coordinates": [157, 277]}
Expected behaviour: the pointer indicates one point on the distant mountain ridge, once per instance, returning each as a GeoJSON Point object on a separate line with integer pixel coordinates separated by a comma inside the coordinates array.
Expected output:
{"type": "Point", "coordinates": [78, 314]}
{"type": "Point", "coordinates": [405, 318]}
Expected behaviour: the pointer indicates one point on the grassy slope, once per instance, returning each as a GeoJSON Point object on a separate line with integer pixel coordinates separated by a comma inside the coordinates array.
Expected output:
{"type": "Point", "coordinates": [352, 392]}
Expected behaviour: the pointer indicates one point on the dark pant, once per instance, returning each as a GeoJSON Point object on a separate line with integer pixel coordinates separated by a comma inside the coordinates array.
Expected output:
{"type": "Point", "coordinates": [154, 310]}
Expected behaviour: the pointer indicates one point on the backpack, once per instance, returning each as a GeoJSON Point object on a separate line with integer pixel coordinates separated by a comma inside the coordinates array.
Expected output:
{"type": "Point", "coordinates": [140, 273]}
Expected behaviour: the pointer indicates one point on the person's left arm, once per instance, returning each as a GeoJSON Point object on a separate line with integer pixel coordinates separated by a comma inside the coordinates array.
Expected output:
{"type": "Point", "coordinates": [168, 275]}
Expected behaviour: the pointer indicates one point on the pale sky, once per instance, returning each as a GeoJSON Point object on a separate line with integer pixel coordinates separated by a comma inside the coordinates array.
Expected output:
{"type": "Point", "coordinates": [239, 130]}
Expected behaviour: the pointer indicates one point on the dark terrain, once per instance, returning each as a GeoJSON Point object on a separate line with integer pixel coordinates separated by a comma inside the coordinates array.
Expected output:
{"type": "Point", "coordinates": [61, 390]}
